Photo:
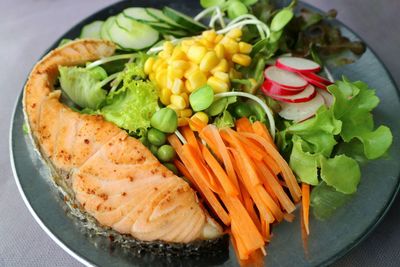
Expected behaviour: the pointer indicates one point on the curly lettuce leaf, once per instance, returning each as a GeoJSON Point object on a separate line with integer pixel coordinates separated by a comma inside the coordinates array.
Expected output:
{"type": "Point", "coordinates": [303, 163]}
{"type": "Point", "coordinates": [318, 131]}
{"type": "Point", "coordinates": [82, 86]}
{"type": "Point", "coordinates": [353, 105]}
{"type": "Point", "coordinates": [341, 172]}
{"type": "Point", "coordinates": [132, 106]}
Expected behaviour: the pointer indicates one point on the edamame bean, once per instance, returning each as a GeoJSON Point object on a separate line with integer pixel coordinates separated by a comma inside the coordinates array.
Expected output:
{"type": "Point", "coordinates": [236, 9]}
{"type": "Point", "coordinates": [166, 153]}
{"type": "Point", "coordinates": [156, 137]}
{"type": "Point", "coordinates": [281, 19]}
{"type": "Point", "coordinates": [165, 120]}
{"type": "Point", "coordinates": [202, 98]}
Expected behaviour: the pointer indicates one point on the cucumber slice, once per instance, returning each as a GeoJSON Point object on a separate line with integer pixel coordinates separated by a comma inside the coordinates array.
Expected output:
{"type": "Point", "coordinates": [124, 21]}
{"type": "Point", "coordinates": [137, 36]}
{"type": "Point", "coordinates": [105, 27]}
{"type": "Point", "coordinates": [184, 20]}
{"type": "Point", "coordinates": [175, 33]}
{"type": "Point", "coordinates": [92, 30]}
{"type": "Point", "coordinates": [158, 14]}
{"type": "Point", "coordinates": [139, 13]}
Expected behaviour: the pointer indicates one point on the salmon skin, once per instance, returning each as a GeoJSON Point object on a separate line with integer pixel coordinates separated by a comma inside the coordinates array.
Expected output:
{"type": "Point", "coordinates": [112, 176]}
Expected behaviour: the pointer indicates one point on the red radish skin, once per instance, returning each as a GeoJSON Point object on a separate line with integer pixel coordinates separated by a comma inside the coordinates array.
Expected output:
{"type": "Point", "coordinates": [301, 111]}
{"type": "Point", "coordinates": [297, 64]}
{"type": "Point", "coordinates": [318, 78]}
{"type": "Point", "coordinates": [272, 88]}
{"type": "Point", "coordinates": [314, 82]}
{"type": "Point", "coordinates": [285, 78]}
{"type": "Point", "coordinates": [328, 97]}
{"type": "Point", "coordinates": [304, 96]}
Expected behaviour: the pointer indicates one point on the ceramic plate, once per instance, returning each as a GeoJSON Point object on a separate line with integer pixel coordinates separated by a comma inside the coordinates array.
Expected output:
{"type": "Point", "coordinates": [329, 240]}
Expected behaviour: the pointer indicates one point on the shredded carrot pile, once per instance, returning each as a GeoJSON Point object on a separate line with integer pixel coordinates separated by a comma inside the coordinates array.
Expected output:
{"type": "Point", "coordinates": [243, 179]}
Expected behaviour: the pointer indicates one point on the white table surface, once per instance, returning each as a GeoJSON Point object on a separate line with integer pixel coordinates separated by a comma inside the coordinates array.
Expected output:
{"type": "Point", "coordinates": [29, 27]}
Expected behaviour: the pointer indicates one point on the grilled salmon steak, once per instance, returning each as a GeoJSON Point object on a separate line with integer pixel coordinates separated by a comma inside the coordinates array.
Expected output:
{"type": "Point", "coordinates": [113, 176]}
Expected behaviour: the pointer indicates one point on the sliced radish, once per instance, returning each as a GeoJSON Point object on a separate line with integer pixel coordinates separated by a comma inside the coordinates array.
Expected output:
{"type": "Point", "coordinates": [285, 78]}
{"type": "Point", "coordinates": [297, 64]}
{"type": "Point", "coordinates": [301, 111]}
{"type": "Point", "coordinates": [272, 88]}
{"type": "Point", "coordinates": [304, 96]}
{"type": "Point", "coordinates": [313, 82]}
{"type": "Point", "coordinates": [318, 78]}
{"type": "Point", "coordinates": [328, 97]}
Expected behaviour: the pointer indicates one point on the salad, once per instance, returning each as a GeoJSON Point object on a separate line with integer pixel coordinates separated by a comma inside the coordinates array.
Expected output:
{"type": "Point", "coordinates": [239, 102]}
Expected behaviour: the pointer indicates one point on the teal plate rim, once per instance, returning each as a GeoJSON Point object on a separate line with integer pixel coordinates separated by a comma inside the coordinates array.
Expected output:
{"type": "Point", "coordinates": [345, 250]}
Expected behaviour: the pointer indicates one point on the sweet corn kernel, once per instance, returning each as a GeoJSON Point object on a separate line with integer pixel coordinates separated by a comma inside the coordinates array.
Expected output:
{"type": "Point", "coordinates": [185, 113]}
{"type": "Point", "coordinates": [217, 85]}
{"type": "Point", "coordinates": [157, 63]}
{"type": "Point", "coordinates": [183, 122]}
{"type": "Point", "coordinates": [202, 116]}
{"type": "Point", "coordinates": [197, 79]}
{"type": "Point", "coordinates": [230, 45]}
{"type": "Point", "coordinates": [218, 38]}
{"type": "Point", "coordinates": [209, 61]}
{"type": "Point", "coordinates": [174, 73]}
{"type": "Point", "coordinates": [161, 78]}
{"type": "Point", "coordinates": [168, 47]}
{"type": "Point", "coordinates": [196, 53]}
{"type": "Point", "coordinates": [178, 54]}
{"type": "Point", "coordinates": [206, 43]}
{"type": "Point", "coordinates": [177, 86]}
{"type": "Point", "coordinates": [241, 59]}
{"type": "Point", "coordinates": [165, 96]}
{"type": "Point", "coordinates": [234, 33]}
{"type": "Point", "coordinates": [178, 102]}
{"type": "Point", "coordinates": [188, 86]}
{"type": "Point", "coordinates": [219, 51]}
{"type": "Point", "coordinates": [192, 67]}
{"type": "Point", "coordinates": [223, 66]}
{"type": "Point", "coordinates": [149, 65]}
{"type": "Point", "coordinates": [223, 76]}
{"type": "Point", "coordinates": [172, 106]}
{"type": "Point", "coordinates": [152, 76]}
{"type": "Point", "coordinates": [185, 96]}
{"type": "Point", "coordinates": [180, 64]}
{"type": "Point", "coordinates": [245, 48]}
{"type": "Point", "coordinates": [164, 54]}
{"type": "Point", "coordinates": [209, 35]}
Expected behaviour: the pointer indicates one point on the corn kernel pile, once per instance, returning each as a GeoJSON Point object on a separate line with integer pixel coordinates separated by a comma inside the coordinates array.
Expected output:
{"type": "Point", "coordinates": [206, 59]}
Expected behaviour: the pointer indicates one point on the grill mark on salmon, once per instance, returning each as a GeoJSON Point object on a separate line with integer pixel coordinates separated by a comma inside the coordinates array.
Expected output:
{"type": "Point", "coordinates": [113, 176]}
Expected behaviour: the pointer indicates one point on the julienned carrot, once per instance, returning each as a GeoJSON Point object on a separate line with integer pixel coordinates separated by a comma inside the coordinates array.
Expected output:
{"type": "Point", "coordinates": [206, 136]}
{"type": "Point", "coordinates": [248, 163]}
{"type": "Point", "coordinates": [271, 163]}
{"type": "Point", "coordinates": [287, 173]}
{"type": "Point", "coordinates": [266, 230]}
{"type": "Point", "coordinates": [199, 168]}
{"type": "Point", "coordinates": [260, 129]}
{"type": "Point", "coordinates": [190, 138]}
{"type": "Point", "coordinates": [268, 178]}
{"type": "Point", "coordinates": [212, 132]}
{"type": "Point", "coordinates": [201, 184]}
{"type": "Point", "coordinates": [269, 202]}
{"type": "Point", "coordinates": [249, 205]}
{"type": "Point", "coordinates": [289, 217]}
{"type": "Point", "coordinates": [252, 150]}
{"type": "Point", "coordinates": [244, 125]}
{"type": "Point", "coordinates": [242, 224]}
{"type": "Point", "coordinates": [305, 189]}
{"type": "Point", "coordinates": [219, 172]}
{"type": "Point", "coordinates": [262, 208]}
{"type": "Point", "coordinates": [182, 168]}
